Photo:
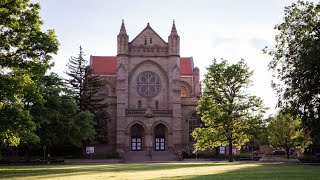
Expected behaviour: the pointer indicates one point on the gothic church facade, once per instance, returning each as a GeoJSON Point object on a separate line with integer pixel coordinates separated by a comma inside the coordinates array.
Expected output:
{"type": "Point", "coordinates": [152, 94]}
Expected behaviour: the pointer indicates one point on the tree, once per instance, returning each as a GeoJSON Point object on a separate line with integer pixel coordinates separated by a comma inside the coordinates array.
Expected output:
{"type": "Point", "coordinates": [227, 111]}
{"type": "Point", "coordinates": [59, 122]}
{"type": "Point", "coordinates": [25, 54]}
{"type": "Point", "coordinates": [85, 86]}
{"type": "Point", "coordinates": [296, 64]}
{"type": "Point", "coordinates": [258, 134]}
{"type": "Point", "coordinates": [285, 132]}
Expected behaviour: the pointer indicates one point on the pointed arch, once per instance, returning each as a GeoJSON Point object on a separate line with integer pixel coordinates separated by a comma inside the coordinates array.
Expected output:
{"type": "Point", "coordinates": [127, 130]}
{"type": "Point", "coordinates": [186, 87]}
{"type": "Point", "coordinates": [121, 66]}
{"type": "Point", "coordinates": [151, 62]}
{"type": "Point", "coordinates": [176, 67]}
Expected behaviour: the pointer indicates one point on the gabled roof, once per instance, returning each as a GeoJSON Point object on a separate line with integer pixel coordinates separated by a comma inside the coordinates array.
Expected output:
{"type": "Point", "coordinates": [107, 65]}
{"type": "Point", "coordinates": [148, 28]}
{"type": "Point", "coordinates": [104, 65]}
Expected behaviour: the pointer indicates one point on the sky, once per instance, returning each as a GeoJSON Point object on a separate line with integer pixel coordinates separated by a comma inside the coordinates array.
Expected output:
{"type": "Point", "coordinates": [208, 29]}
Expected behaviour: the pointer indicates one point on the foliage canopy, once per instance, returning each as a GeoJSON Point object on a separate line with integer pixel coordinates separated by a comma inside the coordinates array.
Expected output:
{"type": "Point", "coordinates": [229, 114]}
{"type": "Point", "coordinates": [25, 54]}
{"type": "Point", "coordinates": [296, 63]}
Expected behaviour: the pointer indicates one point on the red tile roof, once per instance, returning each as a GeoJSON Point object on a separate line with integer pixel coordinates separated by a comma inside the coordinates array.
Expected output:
{"type": "Point", "coordinates": [186, 66]}
{"type": "Point", "coordinates": [106, 65]}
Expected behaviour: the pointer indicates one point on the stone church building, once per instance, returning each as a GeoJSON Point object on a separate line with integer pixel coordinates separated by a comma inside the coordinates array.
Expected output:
{"type": "Point", "coordinates": [152, 93]}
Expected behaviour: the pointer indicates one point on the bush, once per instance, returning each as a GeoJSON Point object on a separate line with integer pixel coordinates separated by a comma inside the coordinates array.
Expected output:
{"type": "Point", "coordinates": [309, 159]}
{"type": "Point", "coordinates": [242, 156]}
{"type": "Point", "coordinates": [188, 153]}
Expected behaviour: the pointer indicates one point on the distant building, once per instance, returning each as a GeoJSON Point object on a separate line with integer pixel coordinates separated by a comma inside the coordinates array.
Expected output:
{"type": "Point", "coordinates": [152, 94]}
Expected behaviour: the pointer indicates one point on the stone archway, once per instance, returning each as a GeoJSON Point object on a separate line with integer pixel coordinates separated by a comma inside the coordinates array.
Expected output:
{"type": "Point", "coordinates": [160, 140]}
{"type": "Point", "coordinates": [137, 137]}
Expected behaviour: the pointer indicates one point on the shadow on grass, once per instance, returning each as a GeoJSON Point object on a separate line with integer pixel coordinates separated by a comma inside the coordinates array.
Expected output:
{"type": "Point", "coordinates": [240, 171]}
{"type": "Point", "coordinates": [69, 170]}
{"type": "Point", "coordinates": [264, 171]}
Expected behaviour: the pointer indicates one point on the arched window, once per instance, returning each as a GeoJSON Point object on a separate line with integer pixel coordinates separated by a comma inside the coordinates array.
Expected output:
{"type": "Point", "coordinates": [194, 122]}
{"type": "Point", "coordinates": [136, 137]}
{"type": "Point", "coordinates": [183, 91]}
{"type": "Point", "coordinates": [145, 41]}
{"type": "Point", "coordinates": [157, 104]}
{"type": "Point", "coordinates": [151, 40]}
{"type": "Point", "coordinates": [139, 104]}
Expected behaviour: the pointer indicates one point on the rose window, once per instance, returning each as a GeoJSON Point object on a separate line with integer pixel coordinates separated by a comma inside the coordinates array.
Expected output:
{"type": "Point", "coordinates": [148, 84]}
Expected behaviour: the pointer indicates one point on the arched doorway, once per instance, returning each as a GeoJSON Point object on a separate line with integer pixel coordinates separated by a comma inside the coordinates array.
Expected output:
{"type": "Point", "coordinates": [137, 137]}
{"type": "Point", "coordinates": [160, 139]}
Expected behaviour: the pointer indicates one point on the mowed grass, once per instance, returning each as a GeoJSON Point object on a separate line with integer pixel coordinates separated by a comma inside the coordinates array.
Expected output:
{"type": "Point", "coordinates": [204, 170]}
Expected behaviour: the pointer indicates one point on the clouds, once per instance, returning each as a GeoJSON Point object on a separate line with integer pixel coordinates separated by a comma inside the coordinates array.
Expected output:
{"type": "Point", "coordinates": [235, 48]}
{"type": "Point", "coordinates": [208, 29]}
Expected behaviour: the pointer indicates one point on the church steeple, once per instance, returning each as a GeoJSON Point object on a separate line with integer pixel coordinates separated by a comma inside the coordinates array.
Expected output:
{"type": "Point", "coordinates": [173, 29]}
{"type": "Point", "coordinates": [174, 41]}
{"type": "Point", "coordinates": [123, 28]}
{"type": "Point", "coordinates": [123, 41]}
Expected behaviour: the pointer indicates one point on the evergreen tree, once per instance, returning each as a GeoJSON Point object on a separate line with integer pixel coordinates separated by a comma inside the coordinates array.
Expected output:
{"type": "Point", "coordinates": [85, 86]}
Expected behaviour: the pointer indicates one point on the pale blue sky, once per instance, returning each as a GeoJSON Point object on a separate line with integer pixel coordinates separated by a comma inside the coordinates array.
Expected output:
{"type": "Point", "coordinates": [208, 29]}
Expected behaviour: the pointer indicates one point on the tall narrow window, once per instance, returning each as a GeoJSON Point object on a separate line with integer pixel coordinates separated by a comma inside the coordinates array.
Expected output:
{"type": "Point", "coordinates": [194, 122]}
{"type": "Point", "coordinates": [145, 41]}
{"type": "Point", "coordinates": [157, 104]}
{"type": "Point", "coordinates": [150, 40]}
{"type": "Point", "coordinates": [139, 104]}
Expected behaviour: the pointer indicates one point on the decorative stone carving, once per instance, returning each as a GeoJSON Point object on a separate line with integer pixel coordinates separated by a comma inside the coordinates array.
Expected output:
{"type": "Point", "coordinates": [142, 112]}
{"type": "Point", "coordinates": [148, 112]}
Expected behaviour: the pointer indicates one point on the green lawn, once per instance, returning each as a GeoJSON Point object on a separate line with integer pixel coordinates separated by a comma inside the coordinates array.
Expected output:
{"type": "Point", "coordinates": [204, 170]}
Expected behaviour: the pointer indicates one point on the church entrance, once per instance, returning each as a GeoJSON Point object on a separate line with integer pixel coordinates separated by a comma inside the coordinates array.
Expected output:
{"type": "Point", "coordinates": [160, 137]}
{"type": "Point", "coordinates": [137, 137]}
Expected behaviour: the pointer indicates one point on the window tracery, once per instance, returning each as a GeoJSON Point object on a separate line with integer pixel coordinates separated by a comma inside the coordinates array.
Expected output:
{"type": "Point", "coordinates": [194, 122]}
{"type": "Point", "coordinates": [148, 84]}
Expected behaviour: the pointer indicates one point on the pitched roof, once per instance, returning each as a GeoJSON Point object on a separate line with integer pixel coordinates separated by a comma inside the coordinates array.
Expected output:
{"type": "Point", "coordinates": [104, 65]}
{"type": "Point", "coordinates": [186, 66]}
{"type": "Point", "coordinates": [107, 65]}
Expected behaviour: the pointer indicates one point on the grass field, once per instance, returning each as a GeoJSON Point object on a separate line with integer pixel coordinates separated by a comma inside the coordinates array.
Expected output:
{"type": "Point", "coordinates": [205, 170]}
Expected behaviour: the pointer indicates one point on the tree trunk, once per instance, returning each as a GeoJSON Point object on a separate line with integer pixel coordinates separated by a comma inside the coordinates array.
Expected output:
{"type": "Point", "coordinates": [230, 152]}
{"type": "Point", "coordinates": [288, 155]}
{"type": "Point", "coordinates": [28, 154]}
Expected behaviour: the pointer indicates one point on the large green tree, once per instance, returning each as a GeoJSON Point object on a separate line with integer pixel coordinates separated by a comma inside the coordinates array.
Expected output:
{"type": "Point", "coordinates": [85, 85]}
{"type": "Point", "coordinates": [25, 53]}
{"type": "Point", "coordinates": [296, 63]}
{"type": "Point", "coordinates": [285, 132]}
{"type": "Point", "coordinates": [59, 122]}
{"type": "Point", "coordinates": [227, 111]}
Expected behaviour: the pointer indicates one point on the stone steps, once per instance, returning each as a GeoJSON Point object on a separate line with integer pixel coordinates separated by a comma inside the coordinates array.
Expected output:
{"type": "Point", "coordinates": [136, 156]}
{"type": "Point", "coordinates": [145, 156]}
{"type": "Point", "coordinates": [163, 156]}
